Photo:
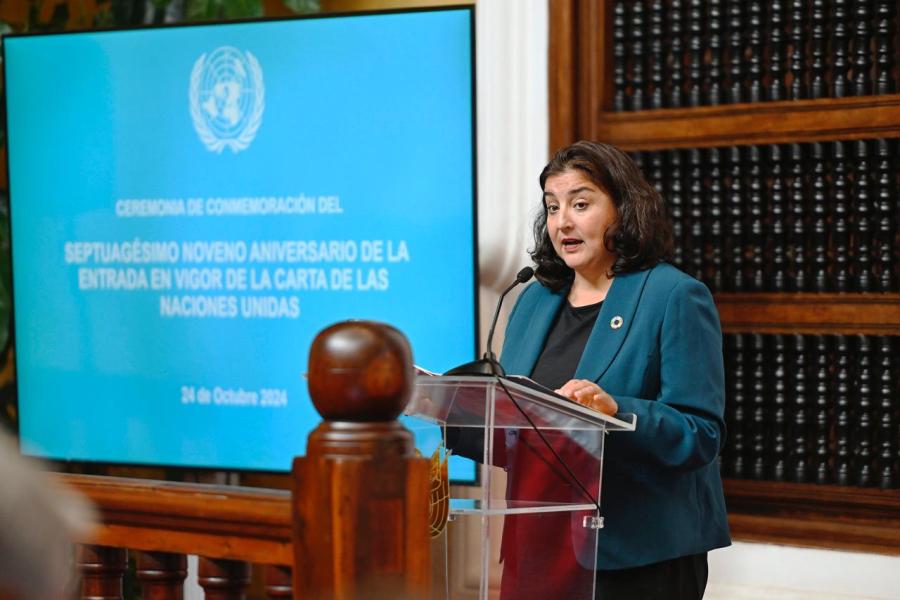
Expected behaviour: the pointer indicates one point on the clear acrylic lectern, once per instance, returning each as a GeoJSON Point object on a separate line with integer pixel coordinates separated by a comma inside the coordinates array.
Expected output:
{"type": "Point", "coordinates": [533, 517]}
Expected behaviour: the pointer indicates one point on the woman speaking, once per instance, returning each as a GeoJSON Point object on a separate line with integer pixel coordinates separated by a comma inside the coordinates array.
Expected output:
{"type": "Point", "coordinates": [611, 326]}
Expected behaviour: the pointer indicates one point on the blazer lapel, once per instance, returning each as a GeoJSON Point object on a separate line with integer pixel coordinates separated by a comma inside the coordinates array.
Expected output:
{"type": "Point", "coordinates": [525, 355]}
{"type": "Point", "coordinates": [612, 325]}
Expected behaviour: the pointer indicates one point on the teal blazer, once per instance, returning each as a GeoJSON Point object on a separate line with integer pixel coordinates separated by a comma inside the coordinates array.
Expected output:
{"type": "Point", "coordinates": [661, 490]}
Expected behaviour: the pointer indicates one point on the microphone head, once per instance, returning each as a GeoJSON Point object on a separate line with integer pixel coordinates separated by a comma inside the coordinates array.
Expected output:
{"type": "Point", "coordinates": [525, 274]}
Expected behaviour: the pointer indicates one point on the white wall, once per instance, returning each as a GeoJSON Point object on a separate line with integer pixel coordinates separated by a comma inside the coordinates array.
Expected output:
{"type": "Point", "coordinates": [513, 124]}
{"type": "Point", "coordinates": [511, 65]}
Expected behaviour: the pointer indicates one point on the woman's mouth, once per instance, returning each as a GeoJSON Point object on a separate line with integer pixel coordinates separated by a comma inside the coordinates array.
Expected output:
{"type": "Point", "coordinates": [571, 244]}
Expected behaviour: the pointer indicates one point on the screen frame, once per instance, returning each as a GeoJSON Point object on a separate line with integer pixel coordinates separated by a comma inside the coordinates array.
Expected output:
{"type": "Point", "coordinates": [186, 472]}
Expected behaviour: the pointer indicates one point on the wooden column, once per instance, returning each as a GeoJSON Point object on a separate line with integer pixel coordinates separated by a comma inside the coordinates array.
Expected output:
{"type": "Point", "coordinates": [360, 496]}
{"type": "Point", "coordinates": [223, 579]}
{"type": "Point", "coordinates": [161, 575]}
{"type": "Point", "coordinates": [102, 569]}
{"type": "Point", "coordinates": [278, 582]}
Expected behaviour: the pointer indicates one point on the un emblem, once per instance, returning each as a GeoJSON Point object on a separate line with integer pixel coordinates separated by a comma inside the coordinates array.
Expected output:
{"type": "Point", "coordinates": [227, 98]}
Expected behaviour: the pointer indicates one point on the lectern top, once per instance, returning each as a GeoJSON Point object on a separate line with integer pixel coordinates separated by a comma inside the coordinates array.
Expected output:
{"type": "Point", "coordinates": [465, 401]}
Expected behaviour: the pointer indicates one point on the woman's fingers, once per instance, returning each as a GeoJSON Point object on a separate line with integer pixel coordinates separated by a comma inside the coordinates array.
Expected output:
{"type": "Point", "coordinates": [589, 394]}
{"type": "Point", "coordinates": [574, 385]}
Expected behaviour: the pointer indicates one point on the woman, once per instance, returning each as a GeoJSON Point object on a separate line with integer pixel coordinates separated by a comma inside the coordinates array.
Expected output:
{"type": "Point", "coordinates": [613, 327]}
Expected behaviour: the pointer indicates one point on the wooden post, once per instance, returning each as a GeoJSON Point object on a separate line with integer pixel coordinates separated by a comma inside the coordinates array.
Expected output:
{"type": "Point", "coordinates": [223, 579]}
{"type": "Point", "coordinates": [360, 495]}
{"type": "Point", "coordinates": [161, 575]}
{"type": "Point", "coordinates": [102, 569]}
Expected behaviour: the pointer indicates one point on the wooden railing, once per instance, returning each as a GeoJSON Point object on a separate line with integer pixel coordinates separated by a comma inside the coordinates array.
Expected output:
{"type": "Point", "coordinates": [353, 526]}
{"type": "Point", "coordinates": [229, 527]}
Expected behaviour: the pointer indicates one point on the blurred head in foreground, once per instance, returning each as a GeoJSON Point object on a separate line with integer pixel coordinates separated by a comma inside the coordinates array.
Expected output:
{"type": "Point", "coordinates": [38, 521]}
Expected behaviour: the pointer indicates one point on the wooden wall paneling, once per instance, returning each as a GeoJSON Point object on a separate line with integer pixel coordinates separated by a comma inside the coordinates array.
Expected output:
{"type": "Point", "coordinates": [594, 27]}
{"type": "Point", "coordinates": [827, 119]}
{"type": "Point", "coordinates": [876, 314]}
{"type": "Point", "coordinates": [561, 65]}
{"type": "Point", "coordinates": [851, 518]}
{"type": "Point", "coordinates": [805, 514]}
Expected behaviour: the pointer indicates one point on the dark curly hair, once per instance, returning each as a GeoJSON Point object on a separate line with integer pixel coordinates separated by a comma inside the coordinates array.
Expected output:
{"type": "Point", "coordinates": [640, 238]}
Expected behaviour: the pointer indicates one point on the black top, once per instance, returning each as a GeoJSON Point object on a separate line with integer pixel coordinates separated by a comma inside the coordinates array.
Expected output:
{"type": "Point", "coordinates": [565, 344]}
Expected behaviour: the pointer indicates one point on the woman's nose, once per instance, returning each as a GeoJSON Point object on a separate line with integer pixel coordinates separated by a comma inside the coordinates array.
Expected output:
{"type": "Point", "coordinates": [564, 220]}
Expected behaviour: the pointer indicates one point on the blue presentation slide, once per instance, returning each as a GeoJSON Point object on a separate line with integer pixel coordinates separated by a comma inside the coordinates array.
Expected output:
{"type": "Point", "coordinates": [191, 205]}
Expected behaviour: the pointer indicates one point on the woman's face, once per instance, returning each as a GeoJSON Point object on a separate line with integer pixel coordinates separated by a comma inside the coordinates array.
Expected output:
{"type": "Point", "coordinates": [578, 215]}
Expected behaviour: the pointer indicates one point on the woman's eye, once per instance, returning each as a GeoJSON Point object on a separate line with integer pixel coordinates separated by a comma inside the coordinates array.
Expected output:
{"type": "Point", "coordinates": [552, 208]}
{"type": "Point", "coordinates": [581, 205]}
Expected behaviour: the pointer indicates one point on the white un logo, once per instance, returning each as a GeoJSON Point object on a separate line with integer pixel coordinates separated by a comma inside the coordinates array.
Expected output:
{"type": "Point", "coordinates": [227, 98]}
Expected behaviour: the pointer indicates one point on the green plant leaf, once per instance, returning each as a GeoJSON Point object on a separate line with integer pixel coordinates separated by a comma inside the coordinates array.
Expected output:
{"type": "Point", "coordinates": [236, 9]}
{"type": "Point", "coordinates": [206, 10]}
{"type": "Point", "coordinates": [201, 10]}
{"type": "Point", "coordinates": [303, 6]}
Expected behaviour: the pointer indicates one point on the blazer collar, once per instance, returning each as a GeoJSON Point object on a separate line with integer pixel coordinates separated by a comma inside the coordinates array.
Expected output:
{"type": "Point", "coordinates": [524, 356]}
{"type": "Point", "coordinates": [612, 325]}
{"type": "Point", "coordinates": [604, 341]}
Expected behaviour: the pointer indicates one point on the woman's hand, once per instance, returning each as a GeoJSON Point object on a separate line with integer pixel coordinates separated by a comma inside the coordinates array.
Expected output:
{"type": "Point", "coordinates": [588, 393]}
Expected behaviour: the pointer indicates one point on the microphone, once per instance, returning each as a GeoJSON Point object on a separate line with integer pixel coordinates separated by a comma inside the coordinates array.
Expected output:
{"type": "Point", "coordinates": [487, 364]}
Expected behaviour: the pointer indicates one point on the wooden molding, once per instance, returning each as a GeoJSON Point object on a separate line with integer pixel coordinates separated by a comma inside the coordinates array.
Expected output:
{"type": "Point", "coordinates": [594, 31]}
{"type": "Point", "coordinates": [561, 74]}
{"type": "Point", "coordinates": [246, 524]}
{"type": "Point", "coordinates": [862, 519]}
{"type": "Point", "coordinates": [872, 314]}
{"type": "Point", "coordinates": [799, 121]}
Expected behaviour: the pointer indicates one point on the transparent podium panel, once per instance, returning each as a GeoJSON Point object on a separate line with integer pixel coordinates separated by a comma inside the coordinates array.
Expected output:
{"type": "Point", "coordinates": [534, 520]}
{"type": "Point", "coordinates": [507, 565]}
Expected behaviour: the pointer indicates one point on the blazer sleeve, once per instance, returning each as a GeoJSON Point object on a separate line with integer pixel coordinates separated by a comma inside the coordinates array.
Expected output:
{"type": "Point", "coordinates": [683, 427]}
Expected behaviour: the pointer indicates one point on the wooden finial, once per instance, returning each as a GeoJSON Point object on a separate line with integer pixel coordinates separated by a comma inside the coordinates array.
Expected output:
{"type": "Point", "coordinates": [360, 371]}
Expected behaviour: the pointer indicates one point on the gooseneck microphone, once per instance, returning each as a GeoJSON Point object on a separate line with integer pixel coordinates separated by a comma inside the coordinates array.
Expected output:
{"type": "Point", "coordinates": [521, 277]}
{"type": "Point", "coordinates": [487, 364]}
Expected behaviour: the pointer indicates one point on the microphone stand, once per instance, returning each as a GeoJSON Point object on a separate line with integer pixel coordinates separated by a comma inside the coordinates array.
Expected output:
{"type": "Point", "coordinates": [488, 365]}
